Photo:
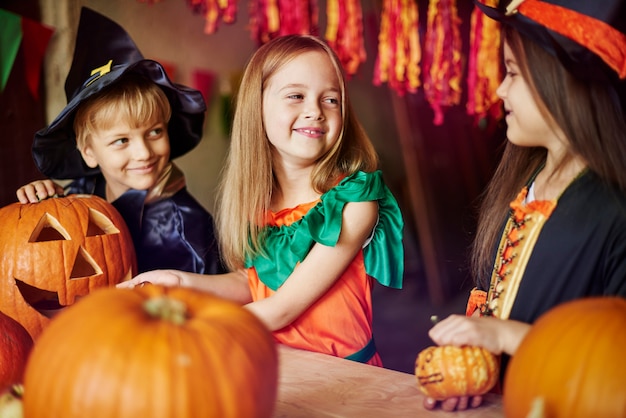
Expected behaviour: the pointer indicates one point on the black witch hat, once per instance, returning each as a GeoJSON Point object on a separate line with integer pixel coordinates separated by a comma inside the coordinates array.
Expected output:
{"type": "Point", "coordinates": [104, 52]}
{"type": "Point", "coordinates": [587, 36]}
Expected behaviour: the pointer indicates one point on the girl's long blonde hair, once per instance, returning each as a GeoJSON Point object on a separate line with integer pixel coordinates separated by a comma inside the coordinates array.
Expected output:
{"type": "Point", "coordinates": [247, 183]}
{"type": "Point", "coordinates": [592, 119]}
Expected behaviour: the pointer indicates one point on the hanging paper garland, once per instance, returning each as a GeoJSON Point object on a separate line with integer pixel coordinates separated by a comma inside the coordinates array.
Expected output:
{"type": "Point", "coordinates": [399, 51]}
{"type": "Point", "coordinates": [344, 33]}
{"type": "Point", "coordinates": [442, 57]}
{"type": "Point", "coordinates": [272, 18]}
{"type": "Point", "coordinates": [213, 11]}
{"type": "Point", "coordinates": [484, 70]}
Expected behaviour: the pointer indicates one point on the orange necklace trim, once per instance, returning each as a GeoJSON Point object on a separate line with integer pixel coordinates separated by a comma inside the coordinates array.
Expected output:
{"type": "Point", "coordinates": [521, 232]}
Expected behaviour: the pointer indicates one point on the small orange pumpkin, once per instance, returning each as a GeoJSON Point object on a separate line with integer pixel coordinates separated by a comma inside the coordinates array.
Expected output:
{"type": "Point", "coordinates": [15, 346]}
{"type": "Point", "coordinates": [155, 352]}
{"type": "Point", "coordinates": [447, 371]}
{"type": "Point", "coordinates": [57, 250]}
{"type": "Point", "coordinates": [568, 364]}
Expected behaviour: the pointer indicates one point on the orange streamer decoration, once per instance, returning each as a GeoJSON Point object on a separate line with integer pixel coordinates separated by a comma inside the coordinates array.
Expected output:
{"type": "Point", "coordinates": [272, 18]}
{"type": "Point", "coordinates": [214, 11]}
{"type": "Point", "coordinates": [344, 33]}
{"type": "Point", "coordinates": [399, 51]}
{"type": "Point", "coordinates": [442, 57]}
{"type": "Point", "coordinates": [484, 71]}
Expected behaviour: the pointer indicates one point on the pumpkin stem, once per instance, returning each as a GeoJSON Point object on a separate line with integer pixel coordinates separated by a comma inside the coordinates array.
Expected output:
{"type": "Point", "coordinates": [166, 308]}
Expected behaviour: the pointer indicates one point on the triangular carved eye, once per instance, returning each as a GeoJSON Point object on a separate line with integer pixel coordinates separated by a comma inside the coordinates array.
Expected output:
{"type": "Point", "coordinates": [100, 224]}
{"type": "Point", "coordinates": [84, 265]}
{"type": "Point", "coordinates": [48, 229]}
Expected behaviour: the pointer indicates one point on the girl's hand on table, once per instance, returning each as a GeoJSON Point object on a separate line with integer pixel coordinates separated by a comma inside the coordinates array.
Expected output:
{"type": "Point", "coordinates": [160, 277]}
{"type": "Point", "coordinates": [454, 404]}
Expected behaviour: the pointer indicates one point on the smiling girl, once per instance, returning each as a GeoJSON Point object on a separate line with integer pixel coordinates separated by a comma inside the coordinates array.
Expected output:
{"type": "Point", "coordinates": [302, 210]}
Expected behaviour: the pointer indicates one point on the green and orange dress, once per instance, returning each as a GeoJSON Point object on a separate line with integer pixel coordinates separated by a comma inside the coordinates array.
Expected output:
{"type": "Point", "coordinates": [340, 322]}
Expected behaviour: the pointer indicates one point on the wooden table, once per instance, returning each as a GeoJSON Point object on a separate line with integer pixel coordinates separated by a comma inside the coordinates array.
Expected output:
{"type": "Point", "coordinates": [315, 385]}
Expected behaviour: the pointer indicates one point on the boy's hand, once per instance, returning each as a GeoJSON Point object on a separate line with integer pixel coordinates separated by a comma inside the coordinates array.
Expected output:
{"type": "Point", "coordinates": [38, 190]}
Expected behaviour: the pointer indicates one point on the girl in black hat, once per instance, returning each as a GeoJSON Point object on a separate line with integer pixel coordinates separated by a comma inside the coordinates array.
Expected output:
{"type": "Point", "coordinates": [552, 225]}
{"type": "Point", "coordinates": [124, 122]}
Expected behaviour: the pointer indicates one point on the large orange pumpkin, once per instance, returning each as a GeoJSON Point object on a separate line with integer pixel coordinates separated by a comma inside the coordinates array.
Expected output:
{"type": "Point", "coordinates": [447, 371]}
{"type": "Point", "coordinates": [570, 364]}
{"type": "Point", "coordinates": [58, 250]}
{"type": "Point", "coordinates": [152, 352]}
{"type": "Point", "coordinates": [15, 346]}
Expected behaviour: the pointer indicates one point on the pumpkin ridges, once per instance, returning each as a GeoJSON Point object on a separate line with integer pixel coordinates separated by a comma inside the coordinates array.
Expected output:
{"type": "Point", "coordinates": [82, 326]}
{"type": "Point", "coordinates": [15, 346]}
{"type": "Point", "coordinates": [151, 352]}
{"type": "Point", "coordinates": [568, 359]}
{"type": "Point", "coordinates": [446, 371]}
{"type": "Point", "coordinates": [596, 354]}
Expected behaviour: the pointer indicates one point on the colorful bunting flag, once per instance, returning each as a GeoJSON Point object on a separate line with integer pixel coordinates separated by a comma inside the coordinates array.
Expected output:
{"type": "Point", "coordinates": [16, 31]}
{"type": "Point", "coordinates": [10, 40]}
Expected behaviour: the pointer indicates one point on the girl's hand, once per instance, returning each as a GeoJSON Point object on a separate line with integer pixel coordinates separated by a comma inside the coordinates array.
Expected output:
{"type": "Point", "coordinates": [232, 286]}
{"type": "Point", "coordinates": [38, 190]}
{"type": "Point", "coordinates": [160, 277]}
{"type": "Point", "coordinates": [494, 334]}
{"type": "Point", "coordinates": [454, 404]}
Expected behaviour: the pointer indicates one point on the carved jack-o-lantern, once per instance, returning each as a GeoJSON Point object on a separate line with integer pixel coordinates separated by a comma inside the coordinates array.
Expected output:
{"type": "Point", "coordinates": [57, 250]}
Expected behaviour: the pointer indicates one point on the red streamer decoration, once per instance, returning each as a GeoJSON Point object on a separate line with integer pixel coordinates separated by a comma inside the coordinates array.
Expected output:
{"type": "Point", "coordinates": [344, 33]}
{"type": "Point", "coordinates": [442, 57]}
{"type": "Point", "coordinates": [272, 18]}
{"type": "Point", "coordinates": [399, 51]}
{"type": "Point", "coordinates": [213, 11]}
{"type": "Point", "coordinates": [484, 70]}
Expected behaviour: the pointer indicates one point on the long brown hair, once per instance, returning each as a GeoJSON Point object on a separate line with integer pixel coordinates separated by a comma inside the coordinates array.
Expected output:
{"type": "Point", "coordinates": [247, 183]}
{"type": "Point", "coordinates": [590, 116]}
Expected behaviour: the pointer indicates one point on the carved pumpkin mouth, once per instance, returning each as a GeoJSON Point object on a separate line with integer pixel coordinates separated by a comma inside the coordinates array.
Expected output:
{"type": "Point", "coordinates": [430, 379]}
{"type": "Point", "coordinates": [46, 302]}
{"type": "Point", "coordinates": [43, 301]}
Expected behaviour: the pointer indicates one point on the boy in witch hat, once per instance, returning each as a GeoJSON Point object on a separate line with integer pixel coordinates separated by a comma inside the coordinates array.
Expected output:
{"type": "Point", "coordinates": [124, 122]}
{"type": "Point", "coordinates": [552, 223]}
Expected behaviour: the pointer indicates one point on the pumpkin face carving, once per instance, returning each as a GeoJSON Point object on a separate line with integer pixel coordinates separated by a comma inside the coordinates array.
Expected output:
{"type": "Point", "coordinates": [56, 251]}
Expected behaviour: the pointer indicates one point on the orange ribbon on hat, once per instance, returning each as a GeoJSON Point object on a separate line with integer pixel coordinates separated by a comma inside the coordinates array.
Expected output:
{"type": "Point", "coordinates": [597, 36]}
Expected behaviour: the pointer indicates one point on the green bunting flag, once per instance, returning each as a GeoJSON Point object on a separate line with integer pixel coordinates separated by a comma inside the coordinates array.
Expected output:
{"type": "Point", "coordinates": [16, 31]}
{"type": "Point", "coordinates": [10, 40]}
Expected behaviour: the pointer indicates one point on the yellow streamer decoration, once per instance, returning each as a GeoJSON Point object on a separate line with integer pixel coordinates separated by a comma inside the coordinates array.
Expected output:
{"type": "Point", "coordinates": [344, 33]}
{"type": "Point", "coordinates": [485, 65]}
{"type": "Point", "coordinates": [399, 51]}
{"type": "Point", "coordinates": [442, 57]}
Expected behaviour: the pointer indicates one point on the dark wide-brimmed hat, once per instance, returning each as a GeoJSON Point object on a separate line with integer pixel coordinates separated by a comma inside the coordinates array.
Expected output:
{"type": "Point", "coordinates": [104, 52]}
{"type": "Point", "coordinates": [587, 36]}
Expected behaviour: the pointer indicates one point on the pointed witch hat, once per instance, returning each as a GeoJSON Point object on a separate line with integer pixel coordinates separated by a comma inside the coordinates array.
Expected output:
{"type": "Point", "coordinates": [587, 36]}
{"type": "Point", "coordinates": [104, 52]}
